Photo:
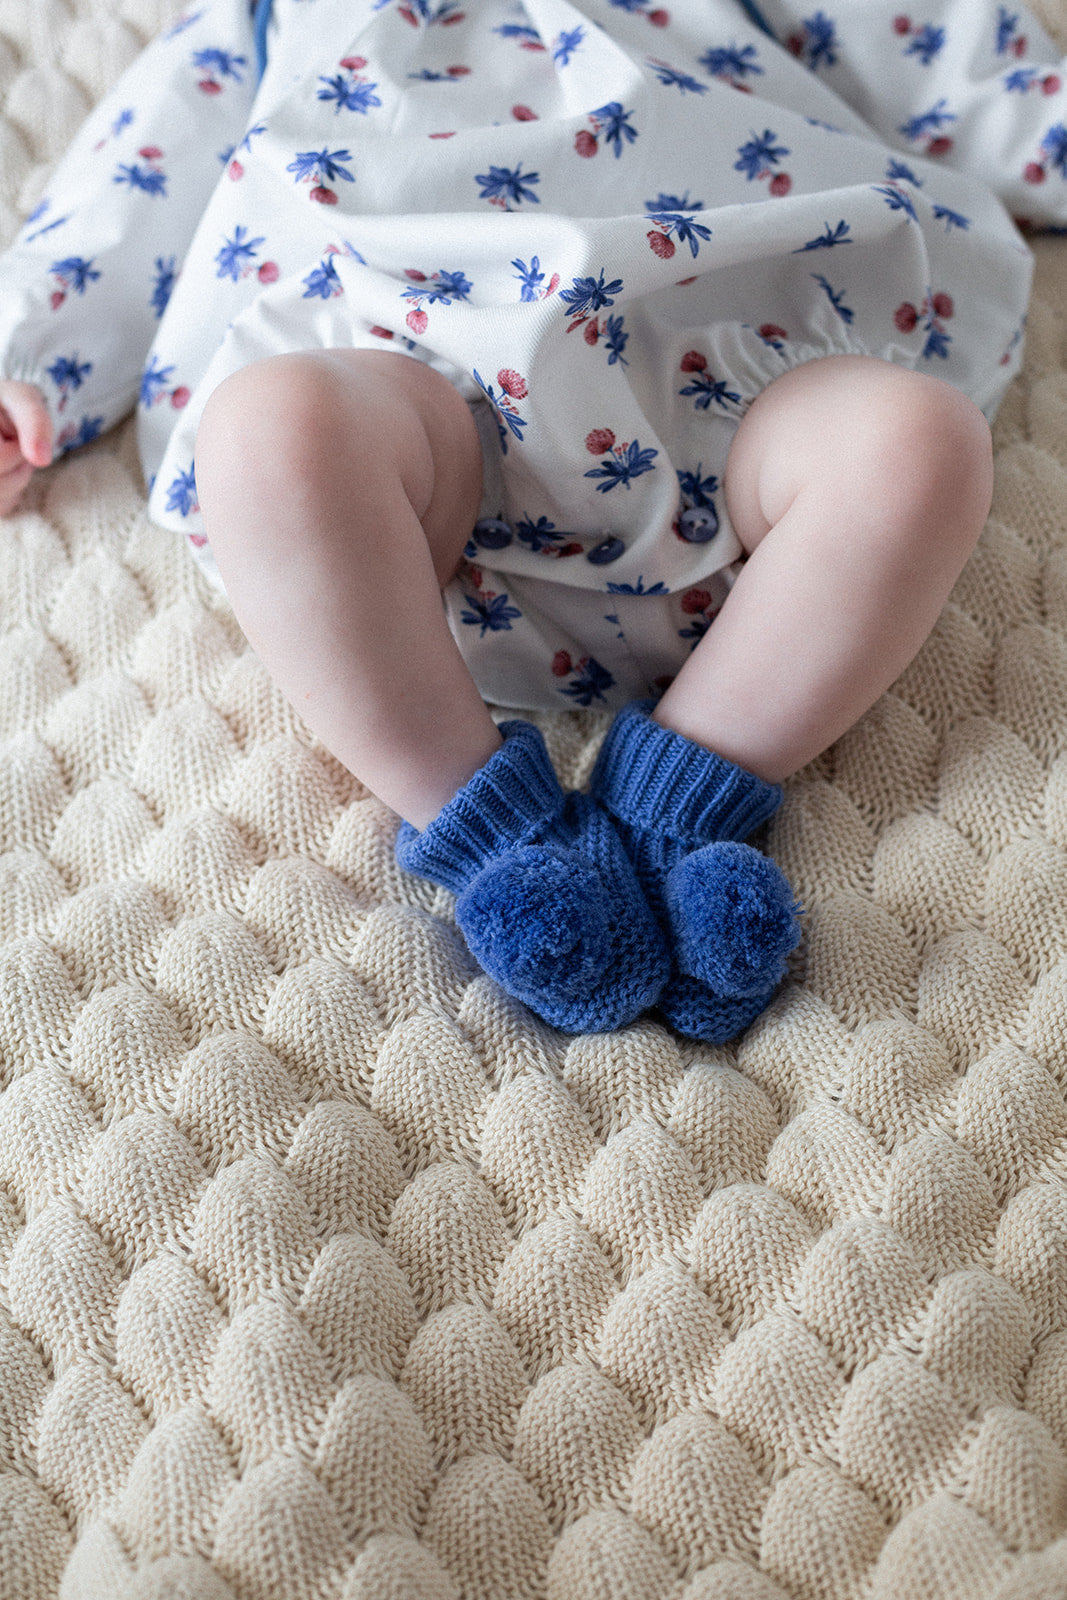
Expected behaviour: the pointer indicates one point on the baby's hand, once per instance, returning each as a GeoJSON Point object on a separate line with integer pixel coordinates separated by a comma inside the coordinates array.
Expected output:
{"type": "Point", "coordinates": [25, 439]}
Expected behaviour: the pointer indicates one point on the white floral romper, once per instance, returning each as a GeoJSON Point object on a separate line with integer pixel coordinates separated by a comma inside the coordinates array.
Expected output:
{"type": "Point", "coordinates": [610, 222]}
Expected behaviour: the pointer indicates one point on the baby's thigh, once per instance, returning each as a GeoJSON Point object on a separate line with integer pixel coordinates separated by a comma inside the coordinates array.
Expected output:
{"type": "Point", "coordinates": [363, 429]}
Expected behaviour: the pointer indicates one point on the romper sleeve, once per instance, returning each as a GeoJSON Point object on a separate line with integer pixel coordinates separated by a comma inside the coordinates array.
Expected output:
{"type": "Point", "coordinates": [84, 284]}
{"type": "Point", "coordinates": [979, 86]}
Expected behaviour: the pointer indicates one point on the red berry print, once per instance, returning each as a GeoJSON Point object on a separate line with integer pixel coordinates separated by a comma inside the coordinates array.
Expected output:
{"type": "Point", "coordinates": [600, 441]}
{"type": "Point", "coordinates": [780, 184]}
{"type": "Point", "coordinates": [1051, 84]}
{"type": "Point", "coordinates": [659, 18]}
{"type": "Point", "coordinates": [512, 383]}
{"type": "Point", "coordinates": [417, 320]}
{"type": "Point", "coordinates": [408, 15]}
{"type": "Point", "coordinates": [584, 143]}
{"type": "Point", "coordinates": [523, 114]}
{"type": "Point", "coordinates": [771, 330]}
{"type": "Point", "coordinates": [1034, 172]}
{"type": "Point", "coordinates": [561, 664]}
{"type": "Point", "coordinates": [180, 398]}
{"type": "Point", "coordinates": [353, 63]}
{"type": "Point", "coordinates": [235, 171]}
{"type": "Point", "coordinates": [943, 305]}
{"type": "Point", "coordinates": [57, 299]}
{"type": "Point", "coordinates": [905, 317]}
{"type": "Point", "coordinates": [209, 86]}
{"type": "Point", "coordinates": [795, 44]}
{"type": "Point", "coordinates": [414, 274]}
{"type": "Point", "coordinates": [150, 152]}
{"type": "Point", "coordinates": [451, 134]}
{"type": "Point", "coordinates": [660, 245]}
{"type": "Point", "coordinates": [382, 333]}
{"type": "Point", "coordinates": [323, 196]}
{"type": "Point", "coordinates": [450, 22]}
{"type": "Point", "coordinates": [591, 332]}
{"type": "Point", "coordinates": [693, 361]}
{"type": "Point", "coordinates": [458, 72]}
{"type": "Point", "coordinates": [268, 272]}
{"type": "Point", "coordinates": [1018, 45]}
{"type": "Point", "coordinates": [694, 600]}
{"type": "Point", "coordinates": [902, 25]}
{"type": "Point", "coordinates": [940, 146]}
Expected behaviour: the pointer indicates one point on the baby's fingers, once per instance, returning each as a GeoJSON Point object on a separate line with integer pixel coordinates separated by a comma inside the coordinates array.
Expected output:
{"type": "Point", "coordinates": [24, 420]}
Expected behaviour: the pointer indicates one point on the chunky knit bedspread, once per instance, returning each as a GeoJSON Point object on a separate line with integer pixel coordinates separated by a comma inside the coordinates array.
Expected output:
{"type": "Point", "coordinates": [327, 1273]}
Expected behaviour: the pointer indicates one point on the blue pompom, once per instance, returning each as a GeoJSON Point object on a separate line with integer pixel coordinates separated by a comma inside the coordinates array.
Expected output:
{"type": "Point", "coordinates": [733, 917]}
{"type": "Point", "coordinates": [535, 919]}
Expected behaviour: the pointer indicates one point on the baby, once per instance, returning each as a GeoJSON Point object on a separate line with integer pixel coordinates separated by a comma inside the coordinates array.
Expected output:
{"type": "Point", "coordinates": [559, 354]}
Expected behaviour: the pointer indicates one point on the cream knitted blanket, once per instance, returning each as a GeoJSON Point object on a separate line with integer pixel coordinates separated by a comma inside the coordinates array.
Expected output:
{"type": "Point", "coordinates": [327, 1273]}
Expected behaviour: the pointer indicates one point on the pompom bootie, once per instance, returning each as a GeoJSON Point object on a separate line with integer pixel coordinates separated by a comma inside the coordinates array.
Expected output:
{"type": "Point", "coordinates": [727, 911]}
{"type": "Point", "coordinates": [546, 897]}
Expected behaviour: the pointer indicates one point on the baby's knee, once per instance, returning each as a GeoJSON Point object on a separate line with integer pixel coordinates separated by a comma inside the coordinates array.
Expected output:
{"type": "Point", "coordinates": [265, 412]}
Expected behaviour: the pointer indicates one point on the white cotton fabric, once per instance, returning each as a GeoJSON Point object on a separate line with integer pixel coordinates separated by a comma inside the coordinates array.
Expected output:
{"type": "Point", "coordinates": [611, 225]}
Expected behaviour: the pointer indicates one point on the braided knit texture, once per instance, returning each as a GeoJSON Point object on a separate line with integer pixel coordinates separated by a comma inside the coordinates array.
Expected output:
{"type": "Point", "coordinates": [328, 1273]}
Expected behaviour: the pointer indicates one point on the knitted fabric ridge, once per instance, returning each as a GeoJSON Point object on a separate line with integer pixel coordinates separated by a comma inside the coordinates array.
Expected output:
{"type": "Point", "coordinates": [328, 1273]}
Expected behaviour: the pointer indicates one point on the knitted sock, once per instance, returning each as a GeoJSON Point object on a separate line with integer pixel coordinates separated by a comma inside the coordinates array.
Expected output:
{"type": "Point", "coordinates": [727, 911]}
{"type": "Point", "coordinates": [547, 899]}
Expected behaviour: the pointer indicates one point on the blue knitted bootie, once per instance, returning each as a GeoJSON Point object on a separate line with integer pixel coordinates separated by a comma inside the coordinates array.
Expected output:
{"type": "Point", "coordinates": [546, 897]}
{"type": "Point", "coordinates": [727, 911]}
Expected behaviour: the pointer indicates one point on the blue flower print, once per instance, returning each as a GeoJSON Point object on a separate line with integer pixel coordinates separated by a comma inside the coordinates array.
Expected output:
{"type": "Point", "coordinates": [695, 490]}
{"type": "Point", "coordinates": [1054, 148]}
{"type": "Point", "coordinates": [425, 12]}
{"type": "Point", "coordinates": [611, 122]}
{"type": "Point", "coordinates": [149, 179]}
{"type": "Point", "coordinates": [531, 278]}
{"type": "Point", "coordinates": [589, 295]}
{"type": "Point", "coordinates": [829, 239]}
{"type": "Point", "coordinates": [896, 198]}
{"type": "Point", "coordinates": [705, 386]}
{"type": "Point", "coordinates": [73, 438]}
{"type": "Point", "coordinates": [68, 374]}
{"type": "Point", "coordinates": [638, 588]}
{"type": "Point", "coordinates": [732, 63]}
{"type": "Point", "coordinates": [625, 462]}
{"type": "Point", "coordinates": [760, 155]}
{"type": "Point", "coordinates": [544, 538]}
{"type": "Point", "coordinates": [1009, 41]}
{"type": "Point", "coordinates": [1021, 80]}
{"type": "Point", "coordinates": [951, 219]}
{"type": "Point", "coordinates": [503, 185]}
{"type": "Point", "coordinates": [35, 215]}
{"type": "Point", "coordinates": [349, 92]}
{"type": "Point", "coordinates": [925, 42]}
{"type": "Point", "coordinates": [565, 44]}
{"type": "Point", "coordinates": [527, 36]}
{"type": "Point", "coordinates": [322, 283]}
{"type": "Point", "coordinates": [216, 66]}
{"type": "Point", "coordinates": [181, 496]}
{"type": "Point", "coordinates": [927, 128]}
{"type": "Point", "coordinates": [163, 283]}
{"type": "Point", "coordinates": [183, 22]}
{"type": "Point", "coordinates": [237, 254]}
{"type": "Point", "coordinates": [489, 612]}
{"type": "Point", "coordinates": [154, 381]}
{"type": "Point", "coordinates": [836, 299]}
{"type": "Point", "coordinates": [615, 339]}
{"type": "Point", "coordinates": [508, 418]}
{"type": "Point", "coordinates": [590, 681]}
{"type": "Point", "coordinates": [441, 288]}
{"type": "Point", "coordinates": [320, 168]}
{"type": "Point", "coordinates": [672, 78]}
{"type": "Point", "coordinates": [899, 172]}
{"type": "Point", "coordinates": [121, 122]}
{"type": "Point", "coordinates": [672, 202]}
{"type": "Point", "coordinates": [677, 225]}
{"type": "Point", "coordinates": [816, 45]}
{"type": "Point", "coordinates": [73, 274]}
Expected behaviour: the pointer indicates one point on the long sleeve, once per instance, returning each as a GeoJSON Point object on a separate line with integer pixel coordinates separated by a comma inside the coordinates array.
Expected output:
{"type": "Point", "coordinates": [85, 283]}
{"type": "Point", "coordinates": [978, 86]}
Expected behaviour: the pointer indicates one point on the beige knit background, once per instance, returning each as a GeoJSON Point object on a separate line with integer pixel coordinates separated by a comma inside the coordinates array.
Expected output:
{"type": "Point", "coordinates": [327, 1273]}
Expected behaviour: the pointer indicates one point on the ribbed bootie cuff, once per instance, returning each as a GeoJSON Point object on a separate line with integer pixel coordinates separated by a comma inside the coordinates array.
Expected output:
{"type": "Point", "coordinates": [515, 796]}
{"type": "Point", "coordinates": [650, 776]}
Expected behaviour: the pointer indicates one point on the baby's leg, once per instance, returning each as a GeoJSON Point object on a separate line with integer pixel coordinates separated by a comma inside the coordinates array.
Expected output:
{"type": "Point", "coordinates": [338, 489]}
{"type": "Point", "coordinates": [859, 489]}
